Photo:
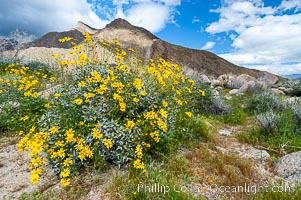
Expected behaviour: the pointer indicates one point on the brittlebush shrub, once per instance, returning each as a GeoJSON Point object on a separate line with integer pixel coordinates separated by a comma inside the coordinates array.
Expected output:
{"type": "Point", "coordinates": [20, 103]}
{"type": "Point", "coordinates": [117, 112]}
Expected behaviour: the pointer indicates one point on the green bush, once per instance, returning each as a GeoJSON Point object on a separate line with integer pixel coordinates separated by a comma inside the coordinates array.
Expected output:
{"type": "Point", "coordinates": [260, 103]}
{"type": "Point", "coordinates": [20, 103]}
{"type": "Point", "coordinates": [235, 117]}
{"type": "Point", "coordinates": [118, 112]}
{"type": "Point", "coordinates": [296, 89]}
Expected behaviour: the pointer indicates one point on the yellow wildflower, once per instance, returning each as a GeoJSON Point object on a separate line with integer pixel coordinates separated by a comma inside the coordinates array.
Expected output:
{"type": "Point", "coordinates": [47, 105]}
{"type": "Point", "coordinates": [96, 133]}
{"type": "Point", "coordinates": [164, 104]}
{"type": "Point", "coordinates": [189, 114]}
{"type": "Point", "coordinates": [67, 162]}
{"type": "Point", "coordinates": [54, 129]}
{"type": "Point", "coordinates": [108, 143]}
{"type": "Point", "coordinates": [138, 83]}
{"type": "Point", "coordinates": [65, 172]}
{"type": "Point", "coordinates": [81, 84]}
{"type": "Point", "coordinates": [138, 164]}
{"type": "Point", "coordinates": [65, 182]}
{"type": "Point", "coordinates": [143, 93]}
{"type": "Point", "coordinates": [138, 151]}
{"type": "Point", "coordinates": [78, 101]}
{"type": "Point", "coordinates": [130, 125]}
{"type": "Point", "coordinates": [122, 106]}
{"type": "Point", "coordinates": [57, 95]}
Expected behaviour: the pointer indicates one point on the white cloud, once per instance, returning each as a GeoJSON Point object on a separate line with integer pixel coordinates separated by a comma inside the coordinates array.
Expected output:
{"type": "Point", "coordinates": [280, 69]}
{"type": "Point", "coordinates": [208, 45]}
{"type": "Point", "coordinates": [264, 37]}
{"type": "Point", "coordinates": [290, 4]}
{"type": "Point", "coordinates": [154, 17]}
{"type": "Point", "coordinates": [150, 14]}
{"type": "Point", "coordinates": [38, 17]}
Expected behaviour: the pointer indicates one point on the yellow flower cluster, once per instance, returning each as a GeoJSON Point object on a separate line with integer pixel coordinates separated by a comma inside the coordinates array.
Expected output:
{"type": "Point", "coordinates": [118, 111]}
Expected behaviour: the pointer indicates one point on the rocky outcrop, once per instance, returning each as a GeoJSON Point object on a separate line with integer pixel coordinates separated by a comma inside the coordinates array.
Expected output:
{"type": "Point", "coordinates": [289, 167]}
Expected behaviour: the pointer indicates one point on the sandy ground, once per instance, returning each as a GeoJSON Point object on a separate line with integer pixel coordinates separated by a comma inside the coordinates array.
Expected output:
{"type": "Point", "coordinates": [15, 175]}
{"type": "Point", "coordinates": [14, 171]}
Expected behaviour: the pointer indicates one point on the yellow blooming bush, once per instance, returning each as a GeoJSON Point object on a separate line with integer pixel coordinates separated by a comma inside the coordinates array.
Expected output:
{"type": "Point", "coordinates": [114, 111]}
{"type": "Point", "coordinates": [20, 104]}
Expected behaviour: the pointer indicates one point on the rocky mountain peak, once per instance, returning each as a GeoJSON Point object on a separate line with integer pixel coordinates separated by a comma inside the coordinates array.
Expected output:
{"type": "Point", "coordinates": [82, 27]}
{"type": "Point", "coordinates": [120, 24]}
{"type": "Point", "coordinates": [124, 24]}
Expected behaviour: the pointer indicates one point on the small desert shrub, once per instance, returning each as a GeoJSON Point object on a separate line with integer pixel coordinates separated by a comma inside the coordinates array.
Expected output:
{"type": "Point", "coordinates": [296, 88]}
{"type": "Point", "coordinates": [268, 121]}
{"type": "Point", "coordinates": [235, 117]}
{"type": "Point", "coordinates": [197, 128]}
{"type": "Point", "coordinates": [278, 129]}
{"type": "Point", "coordinates": [215, 105]}
{"type": "Point", "coordinates": [260, 103]}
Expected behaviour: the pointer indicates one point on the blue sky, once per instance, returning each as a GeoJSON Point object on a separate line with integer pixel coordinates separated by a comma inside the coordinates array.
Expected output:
{"type": "Point", "coordinates": [261, 34]}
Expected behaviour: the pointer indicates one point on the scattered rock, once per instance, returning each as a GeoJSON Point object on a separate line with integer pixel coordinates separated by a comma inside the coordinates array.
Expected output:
{"type": "Point", "coordinates": [282, 88]}
{"type": "Point", "coordinates": [233, 91]}
{"type": "Point", "coordinates": [228, 97]}
{"type": "Point", "coordinates": [224, 132]}
{"type": "Point", "coordinates": [289, 167]}
{"type": "Point", "coordinates": [204, 79]}
{"type": "Point", "coordinates": [288, 91]}
{"type": "Point", "coordinates": [277, 91]}
{"type": "Point", "coordinates": [216, 83]}
{"type": "Point", "coordinates": [219, 88]}
{"type": "Point", "coordinates": [256, 154]}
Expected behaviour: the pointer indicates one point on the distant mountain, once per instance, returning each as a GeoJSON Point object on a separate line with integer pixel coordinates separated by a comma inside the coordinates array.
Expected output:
{"type": "Point", "coordinates": [148, 46]}
{"type": "Point", "coordinates": [292, 76]}
{"type": "Point", "coordinates": [194, 61]}
{"type": "Point", "coordinates": [7, 44]}
{"type": "Point", "coordinates": [50, 40]}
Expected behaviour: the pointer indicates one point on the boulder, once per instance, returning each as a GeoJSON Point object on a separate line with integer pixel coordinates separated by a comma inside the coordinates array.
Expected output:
{"type": "Point", "coordinates": [268, 78]}
{"type": "Point", "coordinates": [204, 79]}
{"type": "Point", "coordinates": [289, 167]}
{"type": "Point", "coordinates": [282, 88]}
{"type": "Point", "coordinates": [216, 83]}
{"type": "Point", "coordinates": [289, 91]}
{"type": "Point", "coordinates": [233, 91]}
{"type": "Point", "coordinates": [247, 86]}
{"type": "Point", "coordinates": [219, 88]}
{"type": "Point", "coordinates": [277, 91]}
{"type": "Point", "coordinates": [226, 80]}
{"type": "Point", "coordinates": [241, 80]}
